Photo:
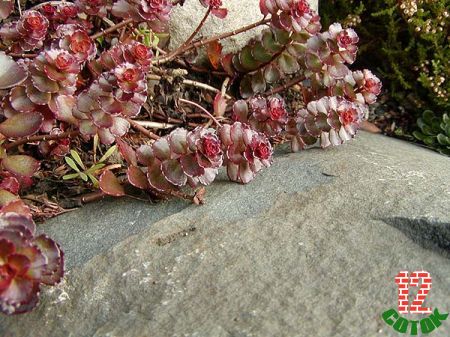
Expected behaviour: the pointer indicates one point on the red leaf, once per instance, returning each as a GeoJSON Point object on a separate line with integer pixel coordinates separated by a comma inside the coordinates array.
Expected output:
{"type": "Point", "coordinates": [22, 125]}
{"type": "Point", "coordinates": [65, 105]}
{"type": "Point", "coordinates": [110, 185]}
{"type": "Point", "coordinates": [20, 165]}
{"type": "Point", "coordinates": [10, 184]}
{"type": "Point", "coordinates": [220, 105]}
{"type": "Point", "coordinates": [11, 74]}
{"type": "Point", "coordinates": [16, 206]}
{"type": "Point", "coordinates": [137, 178]}
{"type": "Point", "coordinates": [214, 51]}
{"type": "Point", "coordinates": [127, 152]}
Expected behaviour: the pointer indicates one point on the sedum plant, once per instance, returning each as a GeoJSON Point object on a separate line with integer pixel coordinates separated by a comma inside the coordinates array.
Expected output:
{"type": "Point", "coordinates": [434, 131]}
{"type": "Point", "coordinates": [83, 79]}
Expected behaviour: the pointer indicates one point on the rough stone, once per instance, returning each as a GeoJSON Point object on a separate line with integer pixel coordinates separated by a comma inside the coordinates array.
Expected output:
{"type": "Point", "coordinates": [309, 248]}
{"type": "Point", "coordinates": [241, 13]}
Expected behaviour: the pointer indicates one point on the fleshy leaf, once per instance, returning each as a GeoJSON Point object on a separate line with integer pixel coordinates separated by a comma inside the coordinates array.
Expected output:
{"type": "Point", "coordinates": [110, 185]}
{"type": "Point", "coordinates": [11, 74]}
{"type": "Point", "coordinates": [65, 105]}
{"type": "Point", "coordinates": [7, 197]}
{"type": "Point", "coordinates": [288, 64]}
{"type": "Point", "coordinates": [22, 125]}
{"type": "Point", "coordinates": [20, 165]}
{"type": "Point", "coordinates": [137, 178]}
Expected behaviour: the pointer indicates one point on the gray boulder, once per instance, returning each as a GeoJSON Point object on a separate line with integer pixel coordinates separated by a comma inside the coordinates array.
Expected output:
{"type": "Point", "coordinates": [309, 248]}
{"type": "Point", "coordinates": [241, 13]}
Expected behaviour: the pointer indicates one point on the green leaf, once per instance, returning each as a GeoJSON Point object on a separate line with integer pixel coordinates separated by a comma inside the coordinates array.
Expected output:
{"type": "Point", "coordinates": [71, 163]}
{"type": "Point", "coordinates": [269, 42]}
{"type": "Point", "coordinates": [84, 176]}
{"type": "Point", "coordinates": [246, 59]}
{"type": "Point", "coordinates": [108, 154]}
{"type": "Point", "coordinates": [260, 53]}
{"type": "Point", "coordinates": [77, 158]}
{"type": "Point", "coordinates": [96, 167]}
{"type": "Point", "coordinates": [288, 64]}
{"type": "Point", "coordinates": [96, 142]}
{"type": "Point", "coordinates": [443, 140]}
{"type": "Point", "coordinates": [94, 180]}
{"type": "Point", "coordinates": [419, 135]}
{"type": "Point", "coordinates": [258, 82]}
{"type": "Point", "coordinates": [428, 116]}
{"type": "Point", "coordinates": [429, 141]}
{"type": "Point", "coordinates": [71, 176]}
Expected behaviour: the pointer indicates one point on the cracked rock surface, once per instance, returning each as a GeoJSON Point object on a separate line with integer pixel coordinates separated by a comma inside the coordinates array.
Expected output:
{"type": "Point", "coordinates": [309, 248]}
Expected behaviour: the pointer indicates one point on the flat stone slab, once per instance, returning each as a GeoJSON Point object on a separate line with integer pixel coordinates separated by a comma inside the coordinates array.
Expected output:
{"type": "Point", "coordinates": [309, 248]}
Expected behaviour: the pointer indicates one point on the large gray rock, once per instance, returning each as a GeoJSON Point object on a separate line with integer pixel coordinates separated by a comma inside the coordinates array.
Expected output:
{"type": "Point", "coordinates": [184, 21]}
{"type": "Point", "coordinates": [310, 248]}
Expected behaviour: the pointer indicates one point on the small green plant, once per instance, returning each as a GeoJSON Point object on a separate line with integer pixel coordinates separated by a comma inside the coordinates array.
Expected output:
{"type": "Point", "coordinates": [434, 131]}
{"type": "Point", "coordinates": [84, 173]}
{"type": "Point", "coordinates": [408, 40]}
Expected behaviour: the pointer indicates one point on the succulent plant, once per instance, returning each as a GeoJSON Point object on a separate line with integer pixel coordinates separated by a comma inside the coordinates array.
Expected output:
{"type": "Point", "coordinates": [291, 15]}
{"type": "Point", "coordinates": [246, 151]}
{"type": "Point", "coordinates": [133, 52]}
{"type": "Point", "coordinates": [330, 121]}
{"type": "Point", "coordinates": [216, 8]}
{"type": "Point", "coordinates": [434, 131]}
{"type": "Point", "coordinates": [93, 7]}
{"type": "Point", "coordinates": [267, 115]}
{"type": "Point", "coordinates": [182, 158]}
{"type": "Point", "coordinates": [155, 12]}
{"type": "Point", "coordinates": [361, 86]}
{"type": "Point", "coordinates": [28, 33]}
{"type": "Point", "coordinates": [75, 39]}
{"type": "Point", "coordinates": [26, 262]}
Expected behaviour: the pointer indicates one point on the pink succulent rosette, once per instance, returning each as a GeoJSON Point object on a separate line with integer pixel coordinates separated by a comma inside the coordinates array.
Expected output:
{"type": "Point", "coordinates": [28, 33]}
{"type": "Point", "coordinates": [246, 151]}
{"type": "Point", "coordinates": [182, 158]}
{"type": "Point", "coordinates": [26, 262]}
{"type": "Point", "coordinates": [93, 7]}
{"type": "Point", "coordinates": [267, 115]}
{"type": "Point", "coordinates": [155, 12]}
{"type": "Point", "coordinates": [330, 121]}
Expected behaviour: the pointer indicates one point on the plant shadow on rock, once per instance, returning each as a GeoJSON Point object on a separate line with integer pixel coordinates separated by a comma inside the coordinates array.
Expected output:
{"type": "Point", "coordinates": [429, 234]}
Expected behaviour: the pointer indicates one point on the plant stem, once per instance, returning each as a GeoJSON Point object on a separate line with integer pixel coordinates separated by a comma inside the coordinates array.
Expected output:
{"type": "Point", "coordinates": [197, 30]}
{"type": "Point", "coordinates": [31, 139]}
{"type": "Point", "coordinates": [112, 29]}
{"type": "Point", "coordinates": [204, 86]}
{"type": "Point", "coordinates": [182, 100]}
{"type": "Point", "coordinates": [182, 49]}
{"type": "Point", "coordinates": [135, 125]}
{"type": "Point", "coordinates": [285, 86]}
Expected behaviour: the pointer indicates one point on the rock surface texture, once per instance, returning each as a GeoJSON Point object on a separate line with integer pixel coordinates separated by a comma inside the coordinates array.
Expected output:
{"type": "Point", "coordinates": [241, 13]}
{"type": "Point", "coordinates": [310, 248]}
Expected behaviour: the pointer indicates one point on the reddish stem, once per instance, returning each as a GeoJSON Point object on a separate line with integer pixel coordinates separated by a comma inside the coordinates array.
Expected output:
{"type": "Point", "coordinates": [182, 49]}
{"type": "Point", "coordinates": [202, 109]}
{"type": "Point", "coordinates": [112, 29]}
{"type": "Point", "coordinates": [69, 134]}
{"type": "Point", "coordinates": [142, 130]}
{"type": "Point", "coordinates": [285, 86]}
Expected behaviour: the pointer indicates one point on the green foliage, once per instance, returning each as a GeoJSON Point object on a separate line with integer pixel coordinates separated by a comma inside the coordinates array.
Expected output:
{"type": "Point", "coordinates": [408, 40]}
{"type": "Point", "coordinates": [82, 172]}
{"type": "Point", "coordinates": [435, 131]}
